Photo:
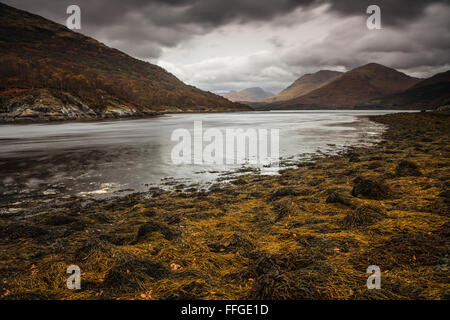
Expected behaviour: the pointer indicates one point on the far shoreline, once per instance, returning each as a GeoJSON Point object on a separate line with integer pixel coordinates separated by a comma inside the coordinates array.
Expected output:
{"type": "Point", "coordinates": [24, 121]}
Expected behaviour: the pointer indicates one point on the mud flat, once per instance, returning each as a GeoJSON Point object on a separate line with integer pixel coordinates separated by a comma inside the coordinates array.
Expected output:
{"type": "Point", "coordinates": [309, 233]}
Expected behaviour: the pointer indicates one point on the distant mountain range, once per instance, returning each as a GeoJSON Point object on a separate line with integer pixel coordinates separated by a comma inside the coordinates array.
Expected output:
{"type": "Point", "coordinates": [50, 72]}
{"type": "Point", "coordinates": [372, 86]}
{"type": "Point", "coordinates": [248, 95]}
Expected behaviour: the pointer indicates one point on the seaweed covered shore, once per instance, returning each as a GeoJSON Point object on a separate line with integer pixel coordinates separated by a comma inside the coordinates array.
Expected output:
{"type": "Point", "coordinates": [308, 233]}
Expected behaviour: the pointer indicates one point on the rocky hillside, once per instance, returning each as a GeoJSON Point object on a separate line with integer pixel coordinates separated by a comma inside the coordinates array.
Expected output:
{"type": "Point", "coordinates": [304, 85]}
{"type": "Point", "coordinates": [55, 105]}
{"type": "Point", "coordinates": [42, 61]}
{"type": "Point", "coordinates": [248, 95]}
{"type": "Point", "coordinates": [427, 94]}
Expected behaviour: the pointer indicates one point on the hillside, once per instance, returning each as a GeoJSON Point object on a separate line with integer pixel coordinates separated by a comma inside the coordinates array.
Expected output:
{"type": "Point", "coordinates": [249, 94]}
{"type": "Point", "coordinates": [427, 94]}
{"type": "Point", "coordinates": [352, 89]}
{"type": "Point", "coordinates": [43, 64]}
{"type": "Point", "coordinates": [304, 85]}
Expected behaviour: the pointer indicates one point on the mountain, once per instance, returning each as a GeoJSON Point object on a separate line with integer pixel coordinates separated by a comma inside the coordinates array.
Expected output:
{"type": "Point", "coordinates": [352, 89]}
{"type": "Point", "coordinates": [304, 85]}
{"type": "Point", "coordinates": [250, 95]}
{"type": "Point", "coordinates": [427, 94]}
{"type": "Point", "coordinates": [50, 72]}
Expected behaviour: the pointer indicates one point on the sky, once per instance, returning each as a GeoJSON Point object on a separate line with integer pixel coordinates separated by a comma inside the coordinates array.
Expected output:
{"type": "Point", "coordinates": [227, 45]}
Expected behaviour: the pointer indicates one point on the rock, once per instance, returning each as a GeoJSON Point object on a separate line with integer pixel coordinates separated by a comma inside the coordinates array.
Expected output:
{"type": "Point", "coordinates": [371, 188]}
{"type": "Point", "coordinates": [54, 105]}
{"type": "Point", "coordinates": [407, 168]}
{"type": "Point", "coordinates": [47, 104]}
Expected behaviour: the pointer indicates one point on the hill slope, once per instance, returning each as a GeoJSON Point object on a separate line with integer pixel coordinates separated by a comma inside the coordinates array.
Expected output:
{"type": "Point", "coordinates": [41, 60]}
{"type": "Point", "coordinates": [427, 94]}
{"type": "Point", "coordinates": [352, 89]}
{"type": "Point", "coordinates": [304, 85]}
{"type": "Point", "coordinates": [249, 94]}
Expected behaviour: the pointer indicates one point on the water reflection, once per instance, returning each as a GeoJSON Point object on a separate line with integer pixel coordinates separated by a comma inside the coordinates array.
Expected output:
{"type": "Point", "coordinates": [103, 157]}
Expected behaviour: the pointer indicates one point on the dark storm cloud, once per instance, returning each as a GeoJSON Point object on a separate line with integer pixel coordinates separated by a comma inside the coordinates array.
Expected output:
{"type": "Point", "coordinates": [219, 12]}
{"type": "Point", "coordinates": [167, 12]}
{"type": "Point", "coordinates": [166, 23]}
{"type": "Point", "coordinates": [146, 28]}
{"type": "Point", "coordinates": [393, 11]}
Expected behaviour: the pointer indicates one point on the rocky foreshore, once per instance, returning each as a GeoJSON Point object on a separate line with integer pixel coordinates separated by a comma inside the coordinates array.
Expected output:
{"type": "Point", "coordinates": [46, 105]}
{"type": "Point", "coordinates": [308, 233]}
{"type": "Point", "coordinates": [49, 105]}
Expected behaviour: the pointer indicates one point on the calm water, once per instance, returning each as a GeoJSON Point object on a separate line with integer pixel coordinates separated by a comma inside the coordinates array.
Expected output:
{"type": "Point", "coordinates": [105, 157]}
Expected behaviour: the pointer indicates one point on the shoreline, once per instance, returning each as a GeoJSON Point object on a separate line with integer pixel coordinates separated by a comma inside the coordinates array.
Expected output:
{"type": "Point", "coordinates": [50, 120]}
{"type": "Point", "coordinates": [308, 233]}
{"type": "Point", "coordinates": [101, 119]}
{"type": "Point", "coordinates": [55, 120]}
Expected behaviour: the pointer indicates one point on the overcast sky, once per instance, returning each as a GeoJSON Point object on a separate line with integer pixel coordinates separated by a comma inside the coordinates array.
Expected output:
{"type": "Point", "coordinates": [223, 45]}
